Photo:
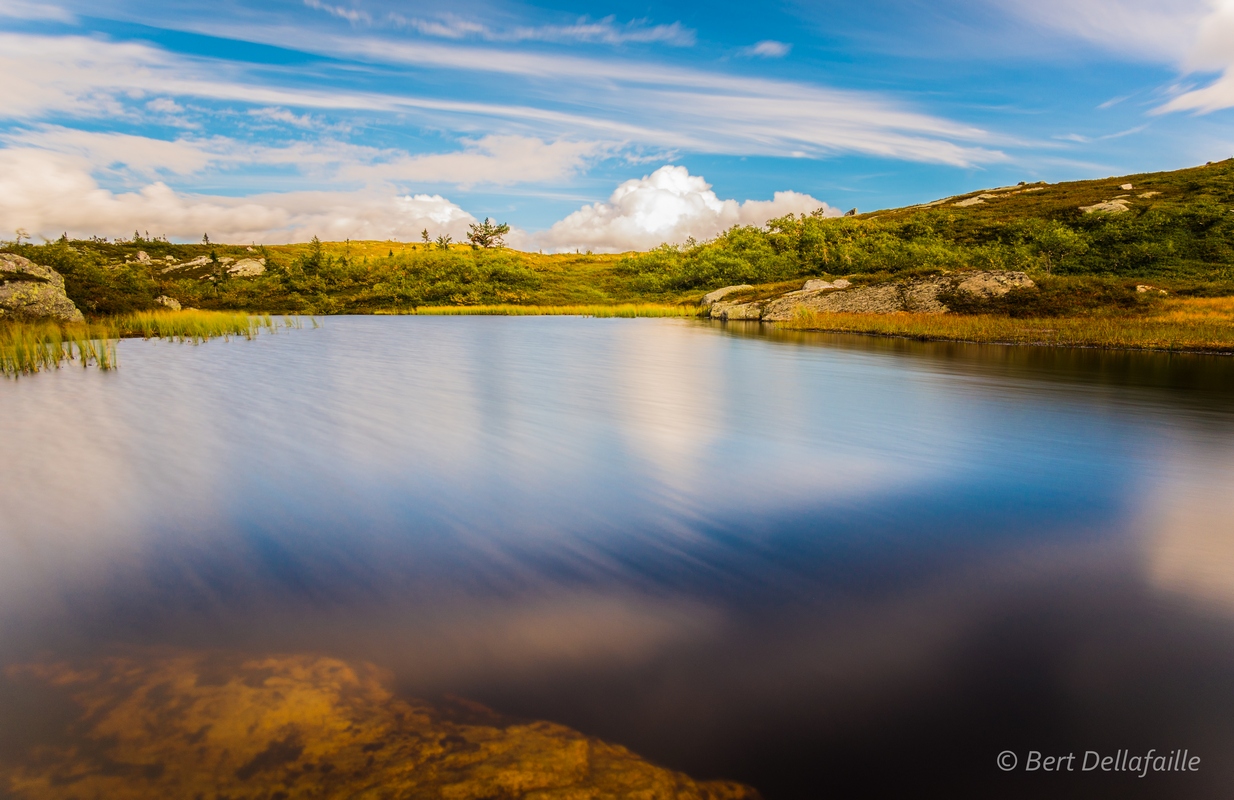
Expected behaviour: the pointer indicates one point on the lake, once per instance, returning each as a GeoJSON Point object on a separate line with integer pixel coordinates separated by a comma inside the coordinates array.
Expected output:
{"type": "Point", "coordinates": [822, 566]}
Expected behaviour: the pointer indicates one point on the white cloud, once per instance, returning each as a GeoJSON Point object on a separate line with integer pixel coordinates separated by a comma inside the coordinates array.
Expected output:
{"type": "Point", "coordinates": [284, 116]}
{"type": "Point", "coordinates": [767, 48]}
{"type": "Point", "coordinates": [1213, 50]}
{"type": "Point", "coordinates": [1196, 36]}
{"type": "Point", "coordinates": [491, 160]}
{"type": "Point", "coordinates": [669, 205]}
{"type": "Point", "coordinates": [676, 108]}
{"type": "Point", "coordinates": [1148, 29]}
{"type": "Point", "coordinates": [496, 160]}
{"type": "Point", "coordinates": [584, 30]}
{"type": "Point", "coordinates": [49, 193]}
{"type": "Point", "coordinates": [25, 9]}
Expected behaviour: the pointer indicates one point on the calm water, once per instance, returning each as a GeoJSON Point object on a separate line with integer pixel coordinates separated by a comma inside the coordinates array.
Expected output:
{"type": "Point", "coordinates": [824, 566]}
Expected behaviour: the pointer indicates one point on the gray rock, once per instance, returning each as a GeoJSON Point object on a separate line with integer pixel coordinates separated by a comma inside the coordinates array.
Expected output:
{"type": "Point", "coordinates": [710, 297]}
{"type": "Point", "coordinates": [736, 311]}
{"type": "Point", "coordinates": [30, 291]}
{"type": "Point", "coordinates": [247, 267]}
{"type": "Point", "coordinates": [169, 302]}
{"type": "Point", "coordinates": [818, 285]}
{"type": "Point", "coordinates": [919, 295]}
{"type": "Point", "coordinates": [1116, 206]}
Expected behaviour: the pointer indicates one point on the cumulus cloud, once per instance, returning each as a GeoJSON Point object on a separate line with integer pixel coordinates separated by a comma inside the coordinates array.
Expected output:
{"type": "Point", "coordinates": [49, 193]}
{"type": "Point", "coordinates": [669, 205]}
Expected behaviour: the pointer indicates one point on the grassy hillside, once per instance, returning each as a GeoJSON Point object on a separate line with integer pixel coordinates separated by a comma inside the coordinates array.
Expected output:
{"type": "Point", "coordinates": [1173, 229]}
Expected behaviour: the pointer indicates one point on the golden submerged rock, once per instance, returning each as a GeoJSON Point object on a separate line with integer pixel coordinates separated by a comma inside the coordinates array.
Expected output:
{"type": "Point", "coordinates": [291, 727]}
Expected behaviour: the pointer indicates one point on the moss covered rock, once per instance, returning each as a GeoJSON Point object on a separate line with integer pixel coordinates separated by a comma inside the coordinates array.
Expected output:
{"type": "Point", "coordinates": [30, 291]}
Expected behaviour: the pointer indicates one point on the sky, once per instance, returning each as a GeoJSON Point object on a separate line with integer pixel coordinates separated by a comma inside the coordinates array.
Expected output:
{"type": "Point", "coordinates": [603, 126]}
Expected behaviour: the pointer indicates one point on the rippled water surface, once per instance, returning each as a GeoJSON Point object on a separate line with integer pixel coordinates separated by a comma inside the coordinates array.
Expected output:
{"type": "Point", "coordinates": [822, 566]}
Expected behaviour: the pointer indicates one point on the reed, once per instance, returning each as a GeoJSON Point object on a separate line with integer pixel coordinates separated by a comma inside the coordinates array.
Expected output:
{"type": "Point", "coordinates": [1193, 325]}
{"type": "Point", "coordinates": [28, 347]}
{"type": "Point", "coordinates": [627, 310]}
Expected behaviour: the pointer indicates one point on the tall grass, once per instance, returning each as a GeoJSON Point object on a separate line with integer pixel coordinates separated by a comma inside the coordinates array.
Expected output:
{"type": "Point", "coordinates": [623, 310]}
{"type": "Point", "coordinates": [27, 347]}
{"type": "Point", "coordinates": [1193, 325]}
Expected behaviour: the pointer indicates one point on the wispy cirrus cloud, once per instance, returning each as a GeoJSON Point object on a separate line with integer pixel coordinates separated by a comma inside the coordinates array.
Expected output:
{"type": "Point", "coordinates": [1195, 36]}
{"type": "Point", "coordinates": [583, 30]}
{"type": "Point", "coordinates": [488, 161]}
{"type": "Point", "coordinates": [27, 9]}
{"type": "Point", "coordinates": [674, 107]}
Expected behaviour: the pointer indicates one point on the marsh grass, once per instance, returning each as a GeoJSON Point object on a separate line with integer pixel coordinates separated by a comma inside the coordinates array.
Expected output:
{"type": "Point", "coordinates": [627, 310]}
{"type": "Point", "coordinates": [28, 347]}
{"type": "Point", "coordinates": [1192, 325]}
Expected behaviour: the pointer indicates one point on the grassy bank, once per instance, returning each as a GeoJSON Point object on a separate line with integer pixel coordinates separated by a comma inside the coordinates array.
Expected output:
{"type": "Point", "coordinates": [27, 347]}
{"type": "Point", "coordinates": [1190, 324]}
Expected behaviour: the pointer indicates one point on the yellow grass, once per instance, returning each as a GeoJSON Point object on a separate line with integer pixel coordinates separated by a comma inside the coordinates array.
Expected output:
{"type": "Point", "coordinates": [27, 347]}
{"type": "Point", "coordinates": [625, 310]}
{"type": "Point", "coordinates": [1192, 324]}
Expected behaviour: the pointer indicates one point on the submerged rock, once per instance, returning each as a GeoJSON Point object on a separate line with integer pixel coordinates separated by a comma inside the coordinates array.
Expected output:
{"type": "Point", "coordinates": [30, 291]}
{"type": "Point", "coordinates": [184, 726]}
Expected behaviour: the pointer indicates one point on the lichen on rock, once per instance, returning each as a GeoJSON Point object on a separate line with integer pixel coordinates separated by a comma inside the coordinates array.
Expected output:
{"type": "Point", "coordinates": [30, 291]}
{"type": "Point", "coordinates": [925, 295]}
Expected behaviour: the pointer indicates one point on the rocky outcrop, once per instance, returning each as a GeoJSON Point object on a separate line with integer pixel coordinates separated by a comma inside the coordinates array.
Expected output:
{"type": "Point", "coordinates": [719, 294]}
{"type": "Point", "coordinates": [1115, 206]}
{"type": "Point", "coordinates": [247, 267]}
{"type": "Point", "coordinates": [919, 295]}
{"type": "Point", "coordinates": [816, 284]}
{"type": "Point", "coordinates": [168, 302]}
{"type": "Point", "coordinates": [30, 291]}
{"type": "Point", "coordinates": [186, 725]}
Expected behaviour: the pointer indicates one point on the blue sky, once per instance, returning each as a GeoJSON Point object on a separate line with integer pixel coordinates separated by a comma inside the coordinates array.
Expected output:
{"type": "Point", "coordinates": [606, 126]}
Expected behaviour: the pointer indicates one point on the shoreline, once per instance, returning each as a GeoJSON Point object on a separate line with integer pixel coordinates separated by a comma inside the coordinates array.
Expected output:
{"type": "Point", "coordinates": [1193, 326]}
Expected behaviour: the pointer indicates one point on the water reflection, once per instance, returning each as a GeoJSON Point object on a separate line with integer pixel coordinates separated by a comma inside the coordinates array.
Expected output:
{"type": "Point", "coordinates": [775, 558]}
